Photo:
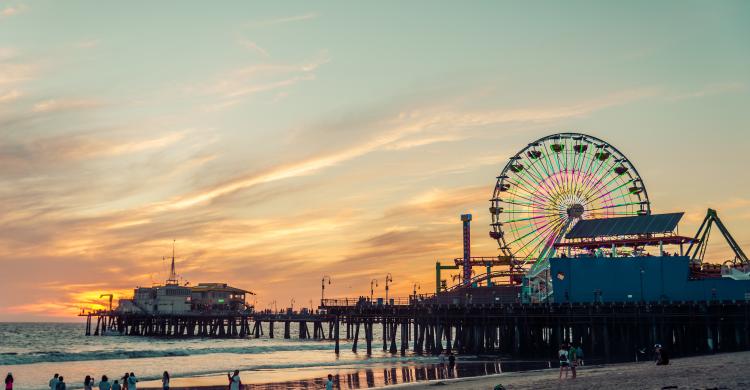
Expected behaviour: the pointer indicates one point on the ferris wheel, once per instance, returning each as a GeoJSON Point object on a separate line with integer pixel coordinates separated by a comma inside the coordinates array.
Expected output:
{"type": "Point", "coordinates": [554, 182]}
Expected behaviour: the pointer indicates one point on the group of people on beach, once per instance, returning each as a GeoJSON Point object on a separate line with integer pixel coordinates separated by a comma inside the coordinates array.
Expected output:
{"type": "Point", "coordinates": [570, 356]}
{"type": "Point", "coordinates": [129, 382]}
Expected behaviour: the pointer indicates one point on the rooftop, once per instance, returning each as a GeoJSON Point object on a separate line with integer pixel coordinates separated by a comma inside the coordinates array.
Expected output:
{"type": "Point", "coordinates": [625, 226]}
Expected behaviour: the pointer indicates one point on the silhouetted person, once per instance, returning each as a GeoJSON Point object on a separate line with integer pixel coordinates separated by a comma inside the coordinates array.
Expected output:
{"type": "Point", "coordinates": [564, 361]}
{"type": "Point", "coordinates": [579, 354]}
{"type": "Point", "coordinates": [88, 383]}
{"type": "Point", "coordinates": [104, 383]}
{"type": "Point", "coordinates": [61, 384]}
{"type": "Point", "coordinates": [54, 381]}
{"type": "Point", "coordinates": [132, 380]}
{"type": "Point", "coordinates": [329, 383]}
{"type": "Point", "coordinates": [165, 381]}
{"type": "Point", "coordinates": [116, 385]}
{"type": "Point", "coordinates": [662, 357]}
{"type": "Point", "coordinates": [234, 380]}
{"type": "Point", "coordinates": [9, 381]}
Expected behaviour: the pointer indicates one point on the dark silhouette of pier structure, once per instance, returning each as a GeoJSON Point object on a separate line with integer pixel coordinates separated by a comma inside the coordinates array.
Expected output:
{"type": "Point", "coordinates": [607, 331]}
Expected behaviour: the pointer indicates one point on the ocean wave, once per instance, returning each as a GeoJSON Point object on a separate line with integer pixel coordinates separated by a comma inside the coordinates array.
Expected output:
{"type": "Point", "coordinates": [61, 356]}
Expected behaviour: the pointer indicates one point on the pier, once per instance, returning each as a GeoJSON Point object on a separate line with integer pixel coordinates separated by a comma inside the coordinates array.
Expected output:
{"type": "Point", "coordinates": [607, 331]}
{"type": "Point", "coordinates": [211, 325]}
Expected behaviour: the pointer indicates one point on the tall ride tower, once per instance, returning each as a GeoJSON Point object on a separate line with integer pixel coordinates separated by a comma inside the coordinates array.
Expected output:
{"type": "Point", "coordinates": [466, 218]}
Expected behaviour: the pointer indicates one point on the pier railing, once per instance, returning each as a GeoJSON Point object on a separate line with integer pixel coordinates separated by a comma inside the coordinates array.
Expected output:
{"type": "Point", "coordinates": [366, 301]}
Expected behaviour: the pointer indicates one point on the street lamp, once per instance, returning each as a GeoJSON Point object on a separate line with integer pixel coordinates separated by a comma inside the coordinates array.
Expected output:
{"type": "Point", "coordinates": [388, 278]}
{"type": "Point", "coordinates": [292, 305]}
{"type": "Point", "coordinates": [374, 283]}
{"type": "Point", "coordinates": [416, 287]}
{"type": "Point", "coordinates": [323, 287]}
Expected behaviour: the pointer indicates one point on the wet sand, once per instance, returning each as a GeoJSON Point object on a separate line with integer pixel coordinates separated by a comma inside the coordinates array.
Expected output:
{"type": "Point", "coordinates": [720, 371]}
{"type": "Point", "coordinates": [376, 375]}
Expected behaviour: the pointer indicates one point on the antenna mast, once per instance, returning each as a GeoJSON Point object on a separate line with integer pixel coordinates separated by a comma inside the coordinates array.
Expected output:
{"type": "Point", "coordinates": [172, 281]}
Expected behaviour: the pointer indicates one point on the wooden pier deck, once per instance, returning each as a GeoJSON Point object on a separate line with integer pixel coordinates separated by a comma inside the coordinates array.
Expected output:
{"type": "Point", "coordinates": [610, 331]}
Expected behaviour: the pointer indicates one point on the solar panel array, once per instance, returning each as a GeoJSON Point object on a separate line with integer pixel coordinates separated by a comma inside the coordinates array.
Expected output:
{"type": "Point", "coordinates": [625, 226]}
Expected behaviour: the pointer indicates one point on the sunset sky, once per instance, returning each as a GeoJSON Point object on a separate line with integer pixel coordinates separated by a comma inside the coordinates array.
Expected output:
{"type": "Point", "coordinates": [277, 144]}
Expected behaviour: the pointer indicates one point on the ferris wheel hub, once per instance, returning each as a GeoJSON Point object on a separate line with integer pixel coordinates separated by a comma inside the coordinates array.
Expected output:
{"type": "Point", "coordinates": [575, 211]}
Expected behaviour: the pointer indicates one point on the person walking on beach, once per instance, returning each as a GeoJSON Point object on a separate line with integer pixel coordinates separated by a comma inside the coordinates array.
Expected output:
{"type": "Point", "coordinates": [234, 380]}
{"type": "Point", "coordinates": [662, 357]}
{"type": "Point", "coordinates": [329, 384]}
{"type": "Point", "coordinates": [116, 385]}
{"type": "Point", "coordinates": [104, 383]}
{"type": "Point", "coordinates": [88, 384]}
{"type": "Point", "coordinates": [132, 380]}
{"type": "Point", "coordinates": [165, 381]}
{"type": "Point", "coordinates": [564, 362]}
{"type": "Point", "coordinates": [573, 359]}
{"type": "Point", "coordinates": [579, 354]}
{"type": "Point", "coordinates": [9, 381]}
{"type": "Point", "coordinates": [125, 381]}
{"type": "Point", "coordinates": [53, 382]}
{"type": "Point", "coordinates": [61, 384]}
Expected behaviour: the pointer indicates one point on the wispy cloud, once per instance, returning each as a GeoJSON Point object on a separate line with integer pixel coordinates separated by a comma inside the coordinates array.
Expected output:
{"type": "Point", "coordinates": [415, 143]}
{"type": "Point", "coordinates": [9, 96]}
{"type": "Point", "coordinates": [54, 105]}
{"type": "Point", "coordinates": [709, 90]}
{"type": "Point", "coordinates": [11, 73]}
{"type": "Point", "coordinates": [250, 45]}
{"type": "Point", "coordinates": [282, 20]}
{"type": "Point", "coordinates": [13, 10]}
{"type": "Point", "coordinates": [74, 147]}
{"type": "Point", "coordinates": [88, 44]}
{"type": "Point", "coordinates": [236, 84]}
{"type": "Point", "coordinates": [387, 132]}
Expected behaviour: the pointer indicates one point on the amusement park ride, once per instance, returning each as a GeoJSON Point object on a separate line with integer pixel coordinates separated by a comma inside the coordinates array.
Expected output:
{"type": "Point", "coordinates": [572, 203]}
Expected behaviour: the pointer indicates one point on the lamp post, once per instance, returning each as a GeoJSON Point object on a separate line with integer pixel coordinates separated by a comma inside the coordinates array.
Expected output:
{"type": "Point", "coordinates": [292, 305]}
{"type": "Point", "coordinates": [373, 284]}
{"type": "Point", "coordinates": [388, 278]}
{"type": "Point", "coordinates": [414, 288]}
{"type": "Point", "coordinates": [323, 287]}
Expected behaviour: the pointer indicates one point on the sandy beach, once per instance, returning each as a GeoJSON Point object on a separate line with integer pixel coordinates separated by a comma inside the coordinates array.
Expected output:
{"type": "Point", "coordinates": [721, 371]}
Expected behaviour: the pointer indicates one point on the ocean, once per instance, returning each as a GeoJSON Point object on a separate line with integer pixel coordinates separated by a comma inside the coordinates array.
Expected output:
{"type": "Point", "coordinates": [33, 352]}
